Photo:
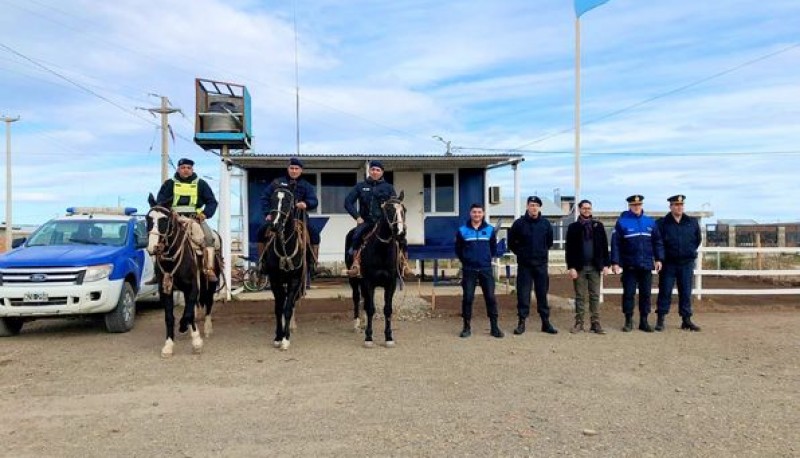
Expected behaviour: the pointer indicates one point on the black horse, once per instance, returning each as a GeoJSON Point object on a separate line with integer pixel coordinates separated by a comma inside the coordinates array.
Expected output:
{"type": "Point", "coordinates": [170, 242]}
{"type": "Point", "coordinates": [286, 261]}
{"type": "Point", "coordinates": [380, 256]}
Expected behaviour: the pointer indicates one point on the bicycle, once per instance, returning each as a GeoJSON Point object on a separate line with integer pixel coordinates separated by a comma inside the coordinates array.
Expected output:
{"type": "Point", "coordinates": [249, 276]}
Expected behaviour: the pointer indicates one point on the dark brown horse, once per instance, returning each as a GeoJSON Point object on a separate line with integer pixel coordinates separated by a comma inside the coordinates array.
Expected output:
{"type": "Point", "coordinates": [170, 242]}
{"type": "Point", "coordinates": [380, 256]}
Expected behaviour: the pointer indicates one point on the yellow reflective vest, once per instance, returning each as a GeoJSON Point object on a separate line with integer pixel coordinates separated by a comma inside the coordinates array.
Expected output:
{"type": "Point", "coordinates": [184, 196]}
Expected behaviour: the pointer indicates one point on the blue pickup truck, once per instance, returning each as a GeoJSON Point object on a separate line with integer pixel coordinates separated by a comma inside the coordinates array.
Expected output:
{"type": "Point", "coordinates": [90, 262]}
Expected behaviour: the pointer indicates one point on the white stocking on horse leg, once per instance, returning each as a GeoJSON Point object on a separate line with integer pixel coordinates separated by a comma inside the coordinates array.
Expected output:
{"type": "Point", "coordinates": [208, 326]}
{"type": "Point", "coordinates": [197, 341]}
{"type": "Point", "coordinates": [284, 344]}
{"type": "Point", "coordinates": [166, 351]}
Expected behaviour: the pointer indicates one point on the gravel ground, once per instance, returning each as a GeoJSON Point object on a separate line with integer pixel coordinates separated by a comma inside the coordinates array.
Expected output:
{"type": "Point", "coordinates": [69, 389]}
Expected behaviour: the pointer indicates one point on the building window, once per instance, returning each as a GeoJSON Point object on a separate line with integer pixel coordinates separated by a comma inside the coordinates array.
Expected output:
{"type": "Point", "coordinates": [334, 189]}
{"type": "Point", "coordinates": [439, 192]}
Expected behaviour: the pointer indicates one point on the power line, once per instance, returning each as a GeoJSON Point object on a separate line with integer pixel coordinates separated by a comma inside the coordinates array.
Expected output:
{"type": "Point", "coordinates": [664, 94]}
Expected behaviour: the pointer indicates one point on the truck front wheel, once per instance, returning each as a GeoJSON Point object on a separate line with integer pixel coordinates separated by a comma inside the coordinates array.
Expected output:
{"type": "Point", "coordinates": [10, 326]}
{"type": "Point", "coordinates": [121, 318]}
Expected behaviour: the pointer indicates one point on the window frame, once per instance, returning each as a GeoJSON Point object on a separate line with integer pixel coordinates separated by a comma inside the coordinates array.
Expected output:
{"type": "Point", "coordinates": [434, 211]}
{"type": "Point", "coordinates": [318, 188]}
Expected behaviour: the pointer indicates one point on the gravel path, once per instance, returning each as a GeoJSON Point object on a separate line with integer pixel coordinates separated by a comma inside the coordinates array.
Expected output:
{"type": "Point", "coordinates": [68, 389]}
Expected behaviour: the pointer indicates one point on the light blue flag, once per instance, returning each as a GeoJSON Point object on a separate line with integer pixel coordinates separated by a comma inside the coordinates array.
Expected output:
{"type": "Point", "coordinates": [582, 6]}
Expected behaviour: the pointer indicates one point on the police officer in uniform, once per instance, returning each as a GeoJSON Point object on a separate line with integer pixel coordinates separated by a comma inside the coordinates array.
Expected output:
{"type": "Point", "coordinates": [192, 197]}
{"type": "Point", "coordinates": [305, 198]}
{"type": "Point", "coordinates": [370, 194]}
{"type": "Point", "coordinates": [636, 249]}
{"type": "Point", "coordinates": [682, 238]}
{"type": "Point", "coordinates": [530, 238]}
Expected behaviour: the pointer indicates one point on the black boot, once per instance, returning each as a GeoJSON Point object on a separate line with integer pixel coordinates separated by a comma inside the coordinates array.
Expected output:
{"type": "Point", "coordinates": [688, 325]}
{"type": "Point", "coordinates": [495, 329]}
{"type": "Point", "coordinates": [467, 331]}
{"type": "Point", "coordinates": [644, 325]}
{"type": "Point", "coordinates": [596, 328]}
{"type": "Point", "coordinates": [628, 323]}
{"type": "Point", "coordinates": [547, 327]}
{"type": "Point", "coordinates": [660, 322]}
{"type": "Point", "coordinates": [520, 327]}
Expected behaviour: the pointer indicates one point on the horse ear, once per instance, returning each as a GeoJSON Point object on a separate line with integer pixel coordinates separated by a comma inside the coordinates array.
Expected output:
{"type": "Point", "coordinates": [151, 200]}
{"type": "Point", "coordinates": [400, 197]}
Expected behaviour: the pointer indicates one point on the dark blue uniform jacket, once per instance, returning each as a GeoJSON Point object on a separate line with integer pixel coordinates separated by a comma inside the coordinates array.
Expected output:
{"type": "Point", "coordinates": [303, 192]}
{"type": "Point", "coordinates": [531, 239]}
{"type": "Point", "coordinates": [475, 248]}
{"type": "Point", "coordinates": [636, 241]}
{"type": "Point", "coordinates": [681, 240]}
{"type": "Point", "coordinates": [370, 195]}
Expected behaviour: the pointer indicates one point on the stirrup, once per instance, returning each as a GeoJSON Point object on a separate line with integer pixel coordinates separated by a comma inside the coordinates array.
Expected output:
{"type": "Point", "coordinates": [354, 271]}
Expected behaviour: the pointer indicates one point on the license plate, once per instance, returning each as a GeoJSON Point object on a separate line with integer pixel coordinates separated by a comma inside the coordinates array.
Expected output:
{"type": "Point", "coordinates": [35, 297]}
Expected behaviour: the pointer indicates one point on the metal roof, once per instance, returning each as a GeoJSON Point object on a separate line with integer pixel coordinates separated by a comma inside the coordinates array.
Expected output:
{"type": "Point", "coordinates": [390, 161]}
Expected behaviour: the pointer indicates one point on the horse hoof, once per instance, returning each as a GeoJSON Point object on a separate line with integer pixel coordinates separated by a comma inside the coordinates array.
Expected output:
{"type": "Point", "coordinates": [390, 344]}
{"type": "Point", "coordinates": [356, 325]}
{"type": "Point", "coordinates": [284, 344]}
{"type": "Point", "coordinates": [276, 343]}
{"type": "Point", "coordinates": [369, 344]}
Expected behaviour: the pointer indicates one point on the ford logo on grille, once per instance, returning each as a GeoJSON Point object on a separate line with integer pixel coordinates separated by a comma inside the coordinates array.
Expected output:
{"type": "Point", "coordinates": [38, 277]}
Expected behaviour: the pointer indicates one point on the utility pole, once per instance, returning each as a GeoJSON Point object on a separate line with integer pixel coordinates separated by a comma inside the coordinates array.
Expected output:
{"type": "Point", "coordinates": [9, 226]}
{"type": "Point", "coordinates": [446, 142]}
{"type": "Point", "coordinates": [164, 110]}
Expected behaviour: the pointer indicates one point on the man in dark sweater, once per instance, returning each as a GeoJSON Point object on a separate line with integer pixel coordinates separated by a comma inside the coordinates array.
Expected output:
{"type": "Point", "coordinates": [530, 238]}
{"type": "Point", "coordinates": [587, 260]}
{"type": "Point", "coordinates": [476, 245]}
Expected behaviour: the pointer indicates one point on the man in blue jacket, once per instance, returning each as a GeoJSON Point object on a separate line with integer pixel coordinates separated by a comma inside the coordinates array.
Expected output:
{"type": "Point", "coordinates": [530, 238]}
{"type": "Point", "coordinates": [636, 249]}
{"type": "Point", "coordinates": [370, 195]}
{"type": "Point", "coordinates": [476, 245]}
{"type": "Point", "coordinates": [305, 198]}
{"type": "Point", "coordinates": [682, 238]}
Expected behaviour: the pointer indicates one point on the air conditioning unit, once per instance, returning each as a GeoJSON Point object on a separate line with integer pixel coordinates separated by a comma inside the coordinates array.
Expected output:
{"type": "Point", "coordinates": [494, 194]}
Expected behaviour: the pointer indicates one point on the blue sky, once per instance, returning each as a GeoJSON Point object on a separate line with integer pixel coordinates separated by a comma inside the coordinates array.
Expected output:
{"type": "Point", "coordinates": [383, 77]}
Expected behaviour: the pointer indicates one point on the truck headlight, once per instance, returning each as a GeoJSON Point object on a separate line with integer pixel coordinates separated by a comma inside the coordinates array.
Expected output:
{"type": "Point", "coordinates": [95, 273]}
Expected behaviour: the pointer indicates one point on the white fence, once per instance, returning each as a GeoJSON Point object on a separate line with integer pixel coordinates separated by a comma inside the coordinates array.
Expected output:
{"type": "Point", "coordinates": [699, 272]}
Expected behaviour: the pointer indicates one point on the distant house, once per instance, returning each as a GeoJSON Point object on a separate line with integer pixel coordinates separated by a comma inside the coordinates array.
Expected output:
{"type": "Point", "coordinates": [438, 191]}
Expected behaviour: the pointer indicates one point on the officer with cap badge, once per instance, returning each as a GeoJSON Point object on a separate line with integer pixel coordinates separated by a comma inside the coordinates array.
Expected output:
{"type": "Point", "coordinates": [636, 249]}
{"type": "Point", "coordinates": [682, 238]}
{"type": "Point", "coordinates": [305, 198]}
{"type": "Point", "coordinates": [370, 195]}
{"type": "Point", "coordinates": [530, 239]}
{"type": "Point", "coordinates": [192, 198]}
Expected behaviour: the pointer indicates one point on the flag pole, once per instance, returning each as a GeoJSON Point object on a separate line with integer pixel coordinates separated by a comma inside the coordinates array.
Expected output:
{"type": "Point", "coordinates": [577, 114]}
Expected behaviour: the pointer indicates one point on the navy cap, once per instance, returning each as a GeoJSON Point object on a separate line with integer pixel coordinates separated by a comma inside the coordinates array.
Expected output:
{"type": "Point", "coordinates": [377, 164]}
{"type": "Point", "coordinates": [185, 161]}
{"type": "Point", "coordinates": [296, 161]}
{"type": "Point", "coordinates": [635, 199]}
{"type": "Point", "coordinates": [535, 199]}
{"type": "Point", "coordinates": [677, 199]}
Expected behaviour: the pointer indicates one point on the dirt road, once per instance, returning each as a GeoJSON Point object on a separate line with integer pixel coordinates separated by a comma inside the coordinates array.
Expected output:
{"type": "Point", "coordinates": [69, 389]}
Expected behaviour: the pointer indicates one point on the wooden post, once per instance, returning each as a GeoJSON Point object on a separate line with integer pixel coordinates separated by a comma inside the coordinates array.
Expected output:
{"type": "Point", "coordinates": [759, 255]}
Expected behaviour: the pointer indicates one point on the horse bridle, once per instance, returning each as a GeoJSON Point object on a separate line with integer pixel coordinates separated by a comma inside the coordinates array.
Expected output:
{"type": "Point", "coordinates": [393, 222]}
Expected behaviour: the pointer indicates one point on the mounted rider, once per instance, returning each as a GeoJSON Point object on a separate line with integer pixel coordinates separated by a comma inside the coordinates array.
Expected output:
{"type": "Point", "coordinates": [192, 198]}
{"type": "Point", "coordinates": [305, 198]}
{"type": "Point", "coordinates": [370, 194]}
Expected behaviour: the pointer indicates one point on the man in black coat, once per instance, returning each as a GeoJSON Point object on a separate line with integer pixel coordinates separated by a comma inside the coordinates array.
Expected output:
{"type": "Point", "coordinates": [682, 238]}
{"type": "Point", "coordinates": [587, 260]}
{"type": "Point", "coordinates": [370, 195]}
{"type": "Point", "coordinates": [305, 198]}
{"type": "Point", "coordinates": [530, 238]}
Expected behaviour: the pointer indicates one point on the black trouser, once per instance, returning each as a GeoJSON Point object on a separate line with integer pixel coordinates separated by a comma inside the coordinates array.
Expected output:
{"type": "Point", "coordinates": [669, 273]}
{"type": "Point", "coordinates": [631, 278]}
{"type": "Point", "coordinates": [535, 274]}
{"type": "Point", "coordinates": [469, 278]}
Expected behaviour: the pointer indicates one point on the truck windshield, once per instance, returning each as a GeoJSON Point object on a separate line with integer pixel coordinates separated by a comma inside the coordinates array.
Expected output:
{"type": "Point", "coordinates": [83, 232]}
